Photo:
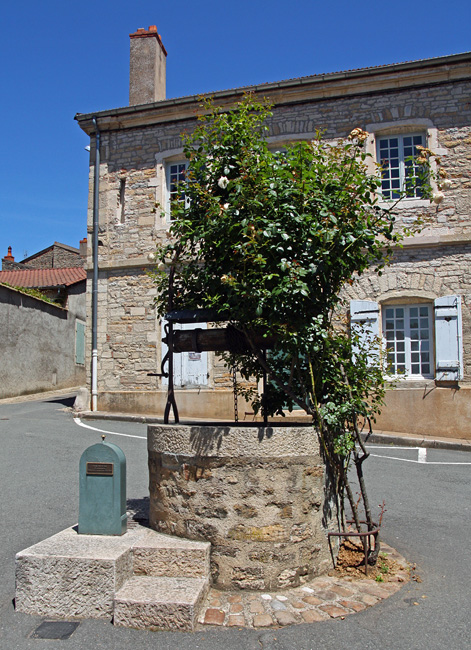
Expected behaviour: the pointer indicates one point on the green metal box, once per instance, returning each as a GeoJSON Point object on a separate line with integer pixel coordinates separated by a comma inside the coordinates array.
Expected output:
{"type": "Point", "coordinates": [102, 503]}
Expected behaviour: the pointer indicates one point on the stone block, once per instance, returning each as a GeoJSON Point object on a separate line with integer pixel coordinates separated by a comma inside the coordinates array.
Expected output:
{"type": "Point", "coordinates": [74, 575]}
{"type": "Point", "coordinates": [151, 603]}
{"type": "Point", "coordinates": [162, 555]}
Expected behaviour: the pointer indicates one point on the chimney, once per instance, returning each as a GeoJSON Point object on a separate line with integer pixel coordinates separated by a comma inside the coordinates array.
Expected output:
{"type": "Point", "coordinates": [8, 262]}
{"type": "Point", "coordinates": [147, 71]}
{"type": "Point", "coordinates": [83, 248]}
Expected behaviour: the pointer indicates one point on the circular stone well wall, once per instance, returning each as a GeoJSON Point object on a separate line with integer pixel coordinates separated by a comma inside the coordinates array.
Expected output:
{"type": "Point", "coordinates": [258, 494]}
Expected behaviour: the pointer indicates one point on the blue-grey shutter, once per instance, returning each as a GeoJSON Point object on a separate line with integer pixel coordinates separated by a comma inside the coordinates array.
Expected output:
{"type": "Point", "coordinates": [194, 364]}
{"type": "Point", "coordinates": [448, 339]}
{"type": "Point", "coordinates": [364, 321]}
{"type": "Point", "coordinates": [79, 342]}
{"type": "Point", "coordinates": [189, 368]}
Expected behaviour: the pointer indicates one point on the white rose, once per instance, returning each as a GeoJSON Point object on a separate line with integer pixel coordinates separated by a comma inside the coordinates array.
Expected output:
{"type": "Point", "coordinates": [446, 184]}
{"type": "Point", "coordinates": [438, 197]}
{"type": "Point", "coordinates": [223, 182]}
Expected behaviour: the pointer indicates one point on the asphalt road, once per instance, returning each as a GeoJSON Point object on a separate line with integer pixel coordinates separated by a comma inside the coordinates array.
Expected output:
{"type": "Point", "coordinates": [427, 497]}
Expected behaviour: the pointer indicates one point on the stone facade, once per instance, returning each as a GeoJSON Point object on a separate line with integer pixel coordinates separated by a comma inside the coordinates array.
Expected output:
{"type": "Point", "coordinates": [431, 97]}
{"type": "Point", "coordinates": [57, 256]}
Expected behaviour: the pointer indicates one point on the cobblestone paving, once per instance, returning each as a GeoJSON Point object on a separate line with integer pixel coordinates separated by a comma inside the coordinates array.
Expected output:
{"type": "Point", "coordinates": [319, 600]}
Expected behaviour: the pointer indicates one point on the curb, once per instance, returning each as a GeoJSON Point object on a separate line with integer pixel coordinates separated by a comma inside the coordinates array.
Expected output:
{"type": "Point", "coordinates": [404, 440]}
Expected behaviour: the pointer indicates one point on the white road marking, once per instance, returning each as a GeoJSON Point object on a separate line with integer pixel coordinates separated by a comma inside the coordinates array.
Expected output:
{"type": "Point", "coordinates": [410, 460]}
{"type": "Point", "coordinates": [113, 433]}
{"type": "Point", "coordinates": [422, 455]}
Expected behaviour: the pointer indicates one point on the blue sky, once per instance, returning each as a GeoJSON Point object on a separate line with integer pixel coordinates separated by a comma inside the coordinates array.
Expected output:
{"type": "Point", "coordinates": [60, 58]}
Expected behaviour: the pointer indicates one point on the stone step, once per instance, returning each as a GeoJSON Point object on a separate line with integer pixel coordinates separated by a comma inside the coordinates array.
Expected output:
{"type": "Point", "coordinates": [162, 555]}
{"type": "Point", "coordinates": [159, 603]}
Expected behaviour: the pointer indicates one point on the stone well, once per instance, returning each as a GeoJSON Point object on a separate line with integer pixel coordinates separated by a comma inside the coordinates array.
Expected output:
{"type": "Point", "coordinates": [258, 494]}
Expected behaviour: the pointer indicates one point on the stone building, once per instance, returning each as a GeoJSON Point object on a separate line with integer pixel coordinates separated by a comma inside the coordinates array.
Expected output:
{"type": "Point", "coordinates": [42, 343]}
{"type": "Point", "coordinates": [56, 256]}
{"type": "Point", "coordinates": [420, 303]}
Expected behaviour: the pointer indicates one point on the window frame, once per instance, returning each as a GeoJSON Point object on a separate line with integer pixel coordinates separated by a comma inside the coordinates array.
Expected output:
{"type": "Point", "coordinates": [408, 341]}
{"type": "Point", "coordinates": [401, 168]}
{"type": "Point", "coordinates": [168, 180]}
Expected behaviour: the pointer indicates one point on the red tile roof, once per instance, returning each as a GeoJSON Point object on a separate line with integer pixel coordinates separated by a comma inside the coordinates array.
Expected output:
{"type": "Point", "coordinates": [43, 277]}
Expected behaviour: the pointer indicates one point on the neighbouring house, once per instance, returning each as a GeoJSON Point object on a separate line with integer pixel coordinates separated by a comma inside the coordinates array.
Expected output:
{"type": "Point", "coordinates": [421, 302]}
{"type": "Point", "coordinates": [42, 325]}
{"type": "Point", "coordinates": [56, 256]}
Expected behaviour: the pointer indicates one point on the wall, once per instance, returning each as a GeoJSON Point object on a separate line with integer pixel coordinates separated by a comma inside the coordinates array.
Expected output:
{"type": "Point", "coordinates": [55, 257]}
{"type": "Point", "coordinates": [37, 343]}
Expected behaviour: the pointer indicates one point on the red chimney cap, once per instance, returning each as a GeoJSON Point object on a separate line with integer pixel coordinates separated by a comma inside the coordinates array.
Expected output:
{"type": "Point", "coordinates": [145, 33]}
{"type": "Point", "coordinates": [9, 256]}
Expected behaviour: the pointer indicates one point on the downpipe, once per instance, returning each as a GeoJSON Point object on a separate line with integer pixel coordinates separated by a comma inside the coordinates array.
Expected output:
{"type": "Point", "coordinates": [96, 204]}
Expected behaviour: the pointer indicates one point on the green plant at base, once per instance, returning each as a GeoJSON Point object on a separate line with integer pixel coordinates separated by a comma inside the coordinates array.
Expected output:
{"type": "Point", "coordinates": [31, 291]}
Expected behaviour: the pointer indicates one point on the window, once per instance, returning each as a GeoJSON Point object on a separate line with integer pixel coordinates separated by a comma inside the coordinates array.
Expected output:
{"type": "Point", "coordinates": [176, 179]}
{"type": "Point", "coordinates": [399, 172]}
{"type": "Point", "coordinates": [121, 200]}
{"type": "Point", "coordinates": [407, 330]}
{"type": "Point", "coordinates": [422, 340]}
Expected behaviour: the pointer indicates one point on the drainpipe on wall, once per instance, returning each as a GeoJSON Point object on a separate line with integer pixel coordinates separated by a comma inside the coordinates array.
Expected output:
{"type": "Point", "coordinates": [96, 188]}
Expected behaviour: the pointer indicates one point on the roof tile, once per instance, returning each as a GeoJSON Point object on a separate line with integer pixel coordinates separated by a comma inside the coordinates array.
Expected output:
{"type": "Point", "coordinates": [43, 277]}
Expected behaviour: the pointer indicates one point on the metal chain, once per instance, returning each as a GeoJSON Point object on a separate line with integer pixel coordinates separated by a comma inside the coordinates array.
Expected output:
{"type": "Point", "coordinates": [234, 386]}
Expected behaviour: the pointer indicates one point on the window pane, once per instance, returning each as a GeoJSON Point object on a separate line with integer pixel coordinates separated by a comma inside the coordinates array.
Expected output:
{"type": "Point", "coordinates": [396, 155]}
{"type": "Point", "coordinates": [407, 329]}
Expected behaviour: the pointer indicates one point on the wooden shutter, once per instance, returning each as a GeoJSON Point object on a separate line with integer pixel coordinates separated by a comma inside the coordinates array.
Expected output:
{"type": "Point", "coordinates": [189, 368]}
{"type": "Point", "coordinates": [448, 339]}
{"type": "Point", "coordinates": [79, 342]}
{"type": "Point", "coordinates": [364, 321]}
